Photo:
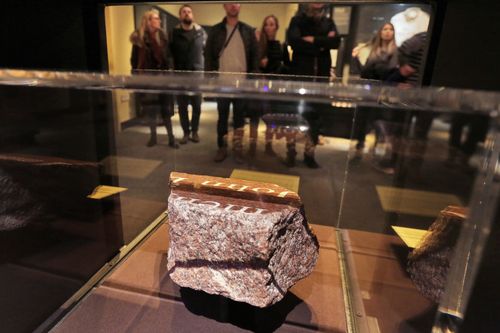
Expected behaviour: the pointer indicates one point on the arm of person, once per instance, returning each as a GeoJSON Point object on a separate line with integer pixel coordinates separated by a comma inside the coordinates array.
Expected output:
{"type": "Point", "coordinates": [170, 57]}
{"type": "Point", "coordinates": [254, 53]}
{"type": "Point", "coordinates": [208, 53]}
{"type": "Point", "coordinates": [330, 41]}
{"type": "Point", "coordinates": [134, 58]}
{"type": "Point", "coordinates": [299, 43]}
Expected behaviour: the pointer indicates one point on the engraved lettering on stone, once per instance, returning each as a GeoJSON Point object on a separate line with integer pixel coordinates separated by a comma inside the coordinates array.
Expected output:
{"type": "Point", "coordinates": [241, 189]}
{"type": "Point", "coordinates": [257, 189]}
{"type": "Point", "coordinates": [176, 180]}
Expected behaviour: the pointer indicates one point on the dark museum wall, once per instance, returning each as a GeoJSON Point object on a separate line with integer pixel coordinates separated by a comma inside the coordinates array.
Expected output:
{"type": "Point", "coordinates": [469, 52]}
{"type": "Point", "coordinates": [50, 34]}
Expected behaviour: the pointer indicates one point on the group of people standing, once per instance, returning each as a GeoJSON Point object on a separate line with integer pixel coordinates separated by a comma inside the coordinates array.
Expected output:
{"type": "Point", "coordinates": [231, 46]}
{"type": "Point", "coordinates": [236, 47]}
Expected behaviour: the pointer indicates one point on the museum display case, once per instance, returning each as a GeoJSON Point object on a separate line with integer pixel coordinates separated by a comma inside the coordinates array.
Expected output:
{"type": "Point", "coordinates": [400, 214]}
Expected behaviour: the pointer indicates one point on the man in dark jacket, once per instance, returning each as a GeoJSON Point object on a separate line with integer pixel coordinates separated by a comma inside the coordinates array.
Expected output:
{"type": "Point", "coordinates": [187, 43]}
{"type": "Point", "coordinates": [311, 35]}
{"type": "Point", "coordinates": [231, 47]}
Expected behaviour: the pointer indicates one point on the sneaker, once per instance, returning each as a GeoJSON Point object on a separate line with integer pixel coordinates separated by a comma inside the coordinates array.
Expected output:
{"type": "Point", "coordinates": [151, 142]}
{"type": "Point", "coordinates": [184, 139]}
{"type": "Point", "coordinates": [310, 162]}
{"type": "Point", "coordinates": [221, 154]}
{"type": "Point", "coordinates": [195, 138]}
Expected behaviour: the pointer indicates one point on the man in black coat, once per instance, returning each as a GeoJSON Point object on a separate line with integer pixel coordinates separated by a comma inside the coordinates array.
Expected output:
{"type": "Point", "coordinates": [311, 35]}
{"type": "Point", "coordinates": [187, 43]}
{"type": "Point", "coordinates": [231, 47]}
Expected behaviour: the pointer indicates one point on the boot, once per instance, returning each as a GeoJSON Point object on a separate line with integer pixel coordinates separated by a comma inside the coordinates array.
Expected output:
{"type": "Point", "coordinates": [238, 145]}
{"type": "Point", "coordinates": [184, 139]}
{"type": "Point", "coordinates": [310, 162]}
{"type": "Point", "coordinates": [194, 137]}
{"type": "Point", "coordinates": [152, 137]}
{"type": "Point", "coordinates": [309, 154]}
{"type": "Point", "coordinates": [172, 143]}
{"type": "Point", "coordinates": [221, 154]}
{"type": "Point", "coordinates": [269, 149]}
{"type": "Point", "coordinates": [290, 158]}
{"type": "Point", "coordinates": [151, 142]}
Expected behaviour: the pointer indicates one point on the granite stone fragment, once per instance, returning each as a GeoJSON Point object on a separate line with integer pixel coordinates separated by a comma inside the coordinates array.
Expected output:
{"type": "Point", "coordinates": [244, 240]}
{"type": "Point", "coordinates": [429, 262]}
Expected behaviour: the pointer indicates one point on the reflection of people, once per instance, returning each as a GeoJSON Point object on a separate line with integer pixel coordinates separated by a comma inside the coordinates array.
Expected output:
{"type": "Point", "coordinates": [271, 61]}
{"type": "Point", "coordinates": [231, 47]}
{"type": "Point", "coordinates": [381, 61]}
{"type": "Point", "coordinates": [411, 56]}
{"type": "Point", "coordinates": [460, 151]}
{"type": "Point", "coordinates": [312, 35]}
{"type": "Point", "coordinates": [408, 23]}
{"type": "Point", "coordinates": [188, 41]}
{"type": "Point", "coordinates": [150, 51]}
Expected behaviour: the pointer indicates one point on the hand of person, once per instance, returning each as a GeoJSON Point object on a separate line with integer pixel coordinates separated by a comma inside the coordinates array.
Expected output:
{"type": "Point", "coordinates": [355, 51]}
{"type": "Point", "coordinates": [331, 34]}
{"type": "Point", "coordinates": [257, 34]}
{"type": "Point", "coordinates": [406, 70]}
{"type": "Point", "coordinates": [309, 39]}
{"type": "Point", "coordinates": [263, 62]}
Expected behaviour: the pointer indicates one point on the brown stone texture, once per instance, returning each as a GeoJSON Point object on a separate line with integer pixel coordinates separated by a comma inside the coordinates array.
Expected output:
{"type": "Point", "coordinates": [248, 250]}
{"type": "Point", "coordinates": [42, 188]}
{"type": "Point", "coordinates": [429, 262]}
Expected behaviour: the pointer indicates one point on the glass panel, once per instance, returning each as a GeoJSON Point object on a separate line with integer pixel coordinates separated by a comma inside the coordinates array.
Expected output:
{"type": "Point", "coordinates": [66, 131]}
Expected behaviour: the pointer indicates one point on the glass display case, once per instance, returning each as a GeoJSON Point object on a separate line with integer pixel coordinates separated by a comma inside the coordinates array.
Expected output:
{"type": "Point", "coordinates": [84, 227]}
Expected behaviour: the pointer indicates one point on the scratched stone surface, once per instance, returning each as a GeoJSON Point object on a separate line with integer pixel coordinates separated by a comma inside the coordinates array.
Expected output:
{"type": "Point", "coordinates": [250, 249]}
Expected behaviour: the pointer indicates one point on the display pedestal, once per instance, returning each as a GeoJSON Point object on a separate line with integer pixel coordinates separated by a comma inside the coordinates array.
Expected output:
{"type": "Point", "coordinates": [139, 296]}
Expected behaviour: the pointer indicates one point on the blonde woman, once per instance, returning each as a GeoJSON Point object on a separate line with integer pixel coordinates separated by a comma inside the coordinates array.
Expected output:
{"type": "Point", "coordinates": [150, 54]}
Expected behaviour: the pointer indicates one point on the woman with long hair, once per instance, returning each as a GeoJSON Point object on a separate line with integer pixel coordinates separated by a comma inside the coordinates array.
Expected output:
{"type": "Point", "coordinates": [150, 53]}
{"type": "Point", "coordinates": [270, 50]}
{"type": "Point", "coordinates": [381, 62]}
{"type": "Point", "coordinates": [383, 57]}
{"type": "Point", "coordinates": [270, 62]}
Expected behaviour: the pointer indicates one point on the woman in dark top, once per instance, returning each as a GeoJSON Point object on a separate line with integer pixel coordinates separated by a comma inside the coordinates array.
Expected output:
{"type": "Point", "coordinates": [271, 53]}
{"type": "Point", "coordinates": [150, 52]}
{"type": "Point", "coordinates": [280, 118]}
{"type": "Point", "coordinates": [270, 62]}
